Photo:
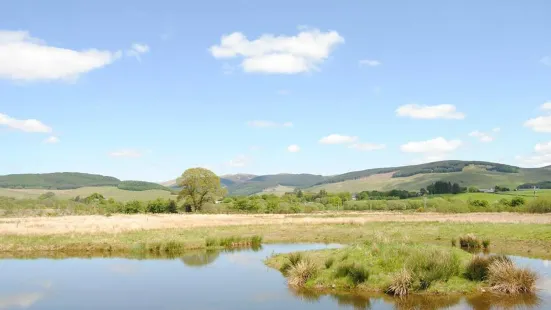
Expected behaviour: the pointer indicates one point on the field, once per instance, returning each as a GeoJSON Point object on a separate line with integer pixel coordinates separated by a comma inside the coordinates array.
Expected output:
{"type": "Point", "coordinates": [520, 234]}
{"type": "Point", "coordinates": [106, 191]}
{"type": "Point", "coordinates": [278, 190]}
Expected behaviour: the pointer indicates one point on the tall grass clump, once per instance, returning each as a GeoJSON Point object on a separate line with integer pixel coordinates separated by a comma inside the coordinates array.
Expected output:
{"type": "Point", "coordinates": [486, 244]}
{"type": "Point", "coordinates": [292, 260]}
{"type": "Point", "coordinates": [504, 277]}
{"type": "Point", "coordinates": [539, 205]}
{"type": "Point", "coordinates": [300, 273]}
{"type": "Point", "coordinates": [356, 273]}
{"type": "Point", "coordinates": [454, 242]}
{"type": "Point", "coordinates": [401, 284]}
{"type": "Point", "coordinates": [433, 265]}
{"type": "Point", "coordinates": [469, 241]}
{"type": "Point", "coordinates": [329, 262]}
{"type": "Point", "coordinates": [477, 269]}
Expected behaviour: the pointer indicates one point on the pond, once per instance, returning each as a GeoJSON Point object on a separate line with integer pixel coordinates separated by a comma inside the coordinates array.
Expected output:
{"type": "Point", "coordinates": [209, 280]}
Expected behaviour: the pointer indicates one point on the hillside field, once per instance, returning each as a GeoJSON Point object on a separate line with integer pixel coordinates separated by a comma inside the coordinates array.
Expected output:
{"type": "Point", "coordinates": [106, 191]}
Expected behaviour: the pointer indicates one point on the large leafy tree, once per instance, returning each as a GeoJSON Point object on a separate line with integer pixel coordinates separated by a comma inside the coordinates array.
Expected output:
{"type": "Point", "coordinates": [199, 186]}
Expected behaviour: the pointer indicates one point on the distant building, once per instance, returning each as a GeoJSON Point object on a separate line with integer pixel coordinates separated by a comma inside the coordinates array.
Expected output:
{"type": "Point", "coordinates": [490, 190]}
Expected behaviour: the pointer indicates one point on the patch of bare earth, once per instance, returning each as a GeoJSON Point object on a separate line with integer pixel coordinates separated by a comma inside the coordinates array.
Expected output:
{"type": "Point", "coordinates": [121, 223]}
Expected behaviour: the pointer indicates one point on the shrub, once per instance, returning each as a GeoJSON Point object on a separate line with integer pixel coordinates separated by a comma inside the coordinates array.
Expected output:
{"type": "Point", "coordinates": [539, 205]}
{"type": "Point", "coordinates": [469, 241]}
{"type": "Point", "coordinates": [486, 244]}
{"type": "Point", "coordinates": [356, 273]}
{"type": "Point", "coordinates": [300, 273]}
{"type": "Point", "coordinates": [401, 283]}
{"type": "Point", "coordinates": [517, 201]}
{"type": "Point", "coordinates": [329, 262]}
{"type": "Point", "coordinates": [504, 277]}
{"type": "Point", "coordinates": [479, 203]}
{"type": "Point", "coordinates": [133, 207]}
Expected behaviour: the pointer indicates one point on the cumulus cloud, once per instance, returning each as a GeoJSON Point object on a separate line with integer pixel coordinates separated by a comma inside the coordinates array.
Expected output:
{"type": "Point", "coordinates": [540, 157]}
{"type": "Point", "coordinates": [52, 140]}
{"type": "Point", "coordinates": [26, 125]}
{"type": "Point", "coordinates": [268, 124]}
{"type": "Point", "coordinates": [539, 124]}
{"type": "Point", "coordinates": [546, 106]}
{"type": "Point", "coordinates": [282, 54]}
{"type": "Point", "coordinates": [126, 154]}
{"type": "Point", "coordinates": [367, 146]}
{"type": "Point", "coordinates": [437, 146]}
{"type": "Point", "coordinates": [23, 57]}
{"type": "Point", "coordinates": [482, 136]}
{"type": "Point", "coordinates": [293, 148]}
{"type": "Point", "coordinates": [137, 49]}
{"type": "Point", "coordinates": [442, 111]}
{"type": "Point", "coordinates": [338, 139]}
{"type": "Point", "coordinates": [370, 63]}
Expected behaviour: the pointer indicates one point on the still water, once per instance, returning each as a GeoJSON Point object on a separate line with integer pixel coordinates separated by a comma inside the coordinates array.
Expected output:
{"type": "Point", "coordinates": [209, 280]}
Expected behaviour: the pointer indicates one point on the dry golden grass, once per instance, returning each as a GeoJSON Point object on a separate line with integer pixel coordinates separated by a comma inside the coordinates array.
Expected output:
{"type": "Point", "coordinates": [505, 277]}
{"type": "Point", "coordinates": [125, 223]}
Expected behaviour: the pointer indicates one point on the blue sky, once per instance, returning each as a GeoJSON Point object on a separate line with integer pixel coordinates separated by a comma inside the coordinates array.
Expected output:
{"type": "Point", "coordinates": [146, 89]}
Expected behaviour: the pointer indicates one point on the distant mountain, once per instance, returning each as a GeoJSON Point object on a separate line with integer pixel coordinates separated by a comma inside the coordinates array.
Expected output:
{"type": "Point", "coordinates": [467, 173]}
{"type": "Point", "coordinates": [72, 180]}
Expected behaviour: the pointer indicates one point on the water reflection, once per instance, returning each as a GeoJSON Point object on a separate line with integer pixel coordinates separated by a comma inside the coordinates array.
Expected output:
{"type": "Point", "coordinates": [239, 278]}
{"type": "Point", "coordinates": [199, 258]}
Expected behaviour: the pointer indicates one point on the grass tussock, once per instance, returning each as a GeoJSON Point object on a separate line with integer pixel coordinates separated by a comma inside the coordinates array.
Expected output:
{"type": "Point", "coordinates": [469, 241]}
{"type": "Point", "coordinates": [477, 269]}
{"type": "Point", "coordinates": [539, 205]}
{"type": "Point", "coordinates": [433, 265]}
{"type": "Point", "coordinates": [234, 242]}
{"type": "Point", "coordinates": [505, 277]}
{"type": "Point", "coordinates": [401, 284]}
{"type": "Point", "coordinates": [329, 262]}
{"type": "Point", "coordinates": [356, 273]}
{"type": "Point", "coordinates": [300, 273]}
{"type": "Point", "coordinates": [486, 244]}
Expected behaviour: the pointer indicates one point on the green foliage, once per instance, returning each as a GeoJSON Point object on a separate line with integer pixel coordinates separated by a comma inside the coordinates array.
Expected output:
{"type": "Point", "coordinates": [473, 189]}
{"type": "Point", "coordinates": [48, 195]}
{"type": "Point", "coordinates": [356, 273]}
{"type": "Point", "coordinates": [433, 265]}
{"type": "Point", "coordinates": [329, 262]}
{"type": "Point", "coordinates": [161, 206]}
{"type": "Point", "coordinates": [478, 203]}
{"type": "Point", "coordinates": [259, 183]}
{"type": "Point", "coordinates": [199, 186]}
{"type": "Point", "coordinates": [518, 201]}
{"type": "Point", "coordinates": [141, 186]}
{"type": "Point", "coordinates": [539, 205]}
{"type": "Point", "coordinates": [477, 269]}
{"type": "Point", "coordinates": [469, 241]}
{"type": "Point", "coordinates": [539, 185]}
{"type": "Point", "coordinates": [64, 180]}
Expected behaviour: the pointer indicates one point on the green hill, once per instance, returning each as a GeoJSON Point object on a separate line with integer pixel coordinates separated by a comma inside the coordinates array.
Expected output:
{"type": "Point", "coordinates": [466, 173]}
{"type": "Point", "coordinates": [60, 180]}
{"type": "Point", "coordinates": [260, 183]}
{"type": "Point", "coordinates": [72, 180]}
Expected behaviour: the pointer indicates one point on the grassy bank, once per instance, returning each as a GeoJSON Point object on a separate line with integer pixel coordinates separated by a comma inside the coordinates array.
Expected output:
{"type": "Point", "coordinates": [402, 268]}
{"type": "Point", "coordinates": [532, 240]}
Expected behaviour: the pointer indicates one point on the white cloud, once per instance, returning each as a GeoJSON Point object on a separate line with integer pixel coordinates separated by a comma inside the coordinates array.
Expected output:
{"type": "Point", "coordinates": [442, 111]}
{"type": "Point", "coordinates": [539, 124]}
{"type": "Point", "coordinates": [239, 161]}
{"type": "Point", "coordinates": [126, 153]}
{"type": "Point", "coordinates": [279, 54]}
{"type": "Point", "coordinates": [367, 146]}
{"type": "Point", "coordinates": [338, 139]}
{"type": "Point", "coordinates": [370, 63]}
{"type": "Point", "coordinates": [293, 148]}
{"type": "Point", "coordinates": [546, 60]}
{"type": "Point", "coordinates": [268, 124]}
{"type": "Point", "coordinates": [437, 146]}
{"type": "Point", "coordinates": [137, 49]}
{"type": "Point", "coordinates": [482, 136]}
{"type": "Point", "coordinates": [23, 57]}
{"type": "Point", "coordinates": [546, 106]}
{"type": "Point", "coordinates": [429, 159]}
{"type": "Point", "coordinates": [27, 125]}
{"type": "Point", "coordinates": [52, 140]}
{"type": "Point", "coordinates": [543, 147]}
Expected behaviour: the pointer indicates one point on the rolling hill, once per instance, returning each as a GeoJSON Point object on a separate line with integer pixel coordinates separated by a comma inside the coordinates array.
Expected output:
{"type": "Point", "coordinates": [72, 180]}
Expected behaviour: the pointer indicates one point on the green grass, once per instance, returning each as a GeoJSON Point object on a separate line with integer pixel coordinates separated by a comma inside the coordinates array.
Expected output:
{"type": "Point", "coordinates": [533, 240]}
{"type": "Point", "coordinates": [106, 191]}
{"type": "Point", "coordinates": [373, 266]}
